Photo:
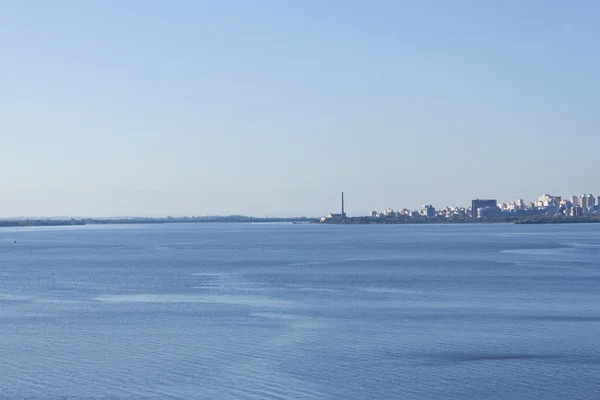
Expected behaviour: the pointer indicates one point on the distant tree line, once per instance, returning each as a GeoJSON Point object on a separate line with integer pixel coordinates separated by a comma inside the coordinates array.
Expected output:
{"type": "Point", "coordinates": [171, 220]}
{"type": "Point", "coordinates": [40, 222]}
{"type": "Point", "coordinates": [560, 219]}
{"type": "Point", "coordinates": [144, 220]}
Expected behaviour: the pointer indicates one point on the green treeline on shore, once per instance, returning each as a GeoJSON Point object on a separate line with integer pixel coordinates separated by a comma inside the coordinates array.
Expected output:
{"type": "Point", "coordinates": [39, 222]}
{"type": "Point", "coordinates": [141, 220]}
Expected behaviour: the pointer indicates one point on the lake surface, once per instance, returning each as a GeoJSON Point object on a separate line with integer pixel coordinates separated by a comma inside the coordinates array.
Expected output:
{"type": "Point", "coordinates": [281, 311]}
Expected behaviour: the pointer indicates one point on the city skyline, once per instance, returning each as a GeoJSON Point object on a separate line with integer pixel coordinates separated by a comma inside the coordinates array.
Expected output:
{"type": "Point", "coordinates": [546, 204]}
{"type": "Point", "coordinates": [517, 199]}
{"type": "Point", "coordinates": [267, 108]}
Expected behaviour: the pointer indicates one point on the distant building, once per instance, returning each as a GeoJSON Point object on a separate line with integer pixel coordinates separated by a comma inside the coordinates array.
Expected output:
{"type": "Point", "coordinates": [575, 200]}
{"type": "Point", "coordinates": [520, 204]}
{"type": "Point", "coordinates": [338, 216]}
{"type": "Point", "coordinates": [547, 200]}
{"type": "Point", "coordinates": [591, 201]}
{"type": "Point", "coordinates": [334, 216]}
{"type": "Point", "coordinates": [587, 201]}
{"type": "Point", "coordinates": [552, 209]}
{"type": "Point", "coordinates": [405, 212]}
{"type": "Point", "coordinates": [583, 201]}
{"type": "Point", "coordinates": [520, 213]}
{"type": "Point", "coordinates": [373, 214]}
{"type": "Point", "coordinates": [478, 203]}
{"type": "Point", "coordinates": [488, 212]}
{"type": "Point", "coordinates": [429, 211]}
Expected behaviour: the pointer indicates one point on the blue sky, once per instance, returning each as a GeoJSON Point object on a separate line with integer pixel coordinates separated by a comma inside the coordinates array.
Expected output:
{"type": "Point", "coordinates": [274, 107]}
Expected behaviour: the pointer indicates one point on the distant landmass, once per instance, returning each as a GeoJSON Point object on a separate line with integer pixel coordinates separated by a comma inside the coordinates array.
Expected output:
{"type": "Point", "coordinates": [23, 222]}
{"type": "Point", "coordinates": [17, 222]}
{"type": "Point", "coordinates": [539, 219]}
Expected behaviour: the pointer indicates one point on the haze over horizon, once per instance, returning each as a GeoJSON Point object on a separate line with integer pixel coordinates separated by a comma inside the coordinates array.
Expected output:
{"type": "Point", "coordinates": [273, 108]}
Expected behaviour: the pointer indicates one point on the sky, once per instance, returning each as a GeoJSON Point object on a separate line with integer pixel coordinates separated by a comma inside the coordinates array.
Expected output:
{"type": "Point", "coordinates": [272, 108]}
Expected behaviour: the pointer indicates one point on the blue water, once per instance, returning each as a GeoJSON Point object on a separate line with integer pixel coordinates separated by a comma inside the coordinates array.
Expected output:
{"type": "Point", "coordinates": [281, 311]}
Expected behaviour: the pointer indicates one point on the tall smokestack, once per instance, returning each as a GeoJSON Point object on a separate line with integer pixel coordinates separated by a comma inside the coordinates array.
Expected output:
{"type": "Point", "coordinates": [343, 214]}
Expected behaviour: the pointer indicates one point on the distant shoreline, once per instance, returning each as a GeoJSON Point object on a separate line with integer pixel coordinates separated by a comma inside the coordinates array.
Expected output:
{"type": "Point", "coordinates": [538, 220]}
{"type": "Point", "coordinates": [16, 223]}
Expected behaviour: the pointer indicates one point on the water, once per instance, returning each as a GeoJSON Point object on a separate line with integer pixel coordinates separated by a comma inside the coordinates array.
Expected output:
{"type": "Point", "coordinates": [281, 311]}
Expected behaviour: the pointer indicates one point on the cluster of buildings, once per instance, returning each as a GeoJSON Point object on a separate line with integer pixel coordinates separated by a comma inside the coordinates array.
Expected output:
{"type": "Point", "coordinates": [546, 204]}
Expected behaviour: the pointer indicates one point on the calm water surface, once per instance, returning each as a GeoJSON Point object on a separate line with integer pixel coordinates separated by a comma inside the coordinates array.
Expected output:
{"type": "Point", "coordinates": [281, 311]}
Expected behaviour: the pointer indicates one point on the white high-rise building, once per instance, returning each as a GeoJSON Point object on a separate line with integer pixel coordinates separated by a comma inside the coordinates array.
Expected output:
{"type": "Point", "coordinates": [543, 200]}
{"type": "Point", "coordinates": [591, 201]}
{"type": "Point", "coordinates": [575, 200]}
{"type": "Point", "coordinates": [547, 200]}
{"type": "Point", "coordinates": [520, 204]}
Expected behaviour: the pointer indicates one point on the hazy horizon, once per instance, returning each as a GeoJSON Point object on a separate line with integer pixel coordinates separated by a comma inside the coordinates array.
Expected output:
{"type": "Point", "coordinates": [273, 108]}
